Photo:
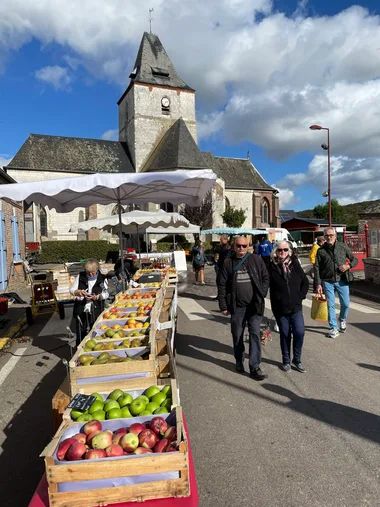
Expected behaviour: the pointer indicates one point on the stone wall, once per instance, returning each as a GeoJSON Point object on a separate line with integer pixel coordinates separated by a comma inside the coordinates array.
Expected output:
{"type": "Point", "coordinates": [372, 270]}
{"type": "Point", "coordinates": [15, 272]}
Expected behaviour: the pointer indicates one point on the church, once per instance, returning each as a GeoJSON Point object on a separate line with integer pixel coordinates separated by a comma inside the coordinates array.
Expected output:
{"type": "Point", "coordinates": [157, 132]}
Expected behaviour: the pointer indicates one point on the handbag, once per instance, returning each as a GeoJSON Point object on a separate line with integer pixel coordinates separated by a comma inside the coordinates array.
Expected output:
{"type": "Point", "coordinates": [319, 309]}
{"type": "Point", "coordinates": [347, 277]}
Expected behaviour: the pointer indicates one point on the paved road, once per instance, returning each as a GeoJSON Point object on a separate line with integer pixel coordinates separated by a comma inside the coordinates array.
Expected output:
{"type": "Point", "coordinates": [293, 440]}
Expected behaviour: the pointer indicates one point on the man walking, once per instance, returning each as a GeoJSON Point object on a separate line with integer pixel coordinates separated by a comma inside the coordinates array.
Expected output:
{"type": "Point", "coordinates": [265, 249]}
{"type": "Point", "coordinates": [312, 256]}
{"type": "Point", "coordinates": [332, 273]}
{"type": "Point", "coordinates": [242, 286]}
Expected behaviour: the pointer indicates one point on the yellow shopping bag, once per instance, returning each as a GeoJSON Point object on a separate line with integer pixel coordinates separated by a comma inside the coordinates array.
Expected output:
{"type": "Point", "coordinates": [319, 308]}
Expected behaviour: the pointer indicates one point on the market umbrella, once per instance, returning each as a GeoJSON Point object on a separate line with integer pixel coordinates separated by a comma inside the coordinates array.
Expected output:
{"type": "Point", "coordinates": [65, 194]}
{"type": "Point", "coordinates": [133, 221]}
{"type": "Point", "coordinates": [234, 231]}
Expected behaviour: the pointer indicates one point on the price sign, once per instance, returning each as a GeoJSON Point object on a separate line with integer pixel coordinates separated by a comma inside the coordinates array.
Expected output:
{"type": "Point", "coordinates": [82, 402]}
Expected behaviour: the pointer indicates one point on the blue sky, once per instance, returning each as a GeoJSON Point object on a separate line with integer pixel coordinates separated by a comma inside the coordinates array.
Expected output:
{"type": "Point", "coordinates": [63, 70]}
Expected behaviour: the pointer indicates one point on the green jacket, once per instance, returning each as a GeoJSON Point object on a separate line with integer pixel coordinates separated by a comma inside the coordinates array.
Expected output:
{"type": "Point", "coordinates": [328, 261]}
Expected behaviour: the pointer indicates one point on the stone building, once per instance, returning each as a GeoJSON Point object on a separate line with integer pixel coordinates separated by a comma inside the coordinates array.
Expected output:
{"type": "Point", "coordinates": [157, 132]}
{"type": "Point", "coordinates": [371, 217]}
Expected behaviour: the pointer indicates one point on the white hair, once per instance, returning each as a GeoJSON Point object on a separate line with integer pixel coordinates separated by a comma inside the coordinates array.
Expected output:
{"type": "Point", "coordinates": [274, 251]}
{"type": "Point", "coordinates": [326, 229]}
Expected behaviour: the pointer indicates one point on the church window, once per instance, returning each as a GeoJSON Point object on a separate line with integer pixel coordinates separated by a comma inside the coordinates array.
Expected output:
{"type": "Point", "coordinates": [227, 203]}
{"type": "Point", "coordinates": [264, 211]}
{"type": "Point", "coordinates": [132, 207]}
{"type": "Point", "coordinates": [43, 222]}
{"type": "Point", "coordinates": [167, 206]}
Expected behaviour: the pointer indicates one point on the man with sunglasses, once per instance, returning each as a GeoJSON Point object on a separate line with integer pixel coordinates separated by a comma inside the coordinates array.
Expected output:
{"type": "Point", "coordinates": [242, 286]}
{"type": "Point", "coordinates": [332, 273]}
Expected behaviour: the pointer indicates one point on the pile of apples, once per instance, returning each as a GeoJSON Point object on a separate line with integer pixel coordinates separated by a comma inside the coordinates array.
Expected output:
{"type": "Point", "coordinates": [93, 346]}
{"type": "Point", "coordinates": [139, 295]}
{"type": "Point", "coordinates": [106, 358]}
{"type": "Point", "coordinates": [114, 312]}
{"type": "Point", "coordinates": [94, 443]}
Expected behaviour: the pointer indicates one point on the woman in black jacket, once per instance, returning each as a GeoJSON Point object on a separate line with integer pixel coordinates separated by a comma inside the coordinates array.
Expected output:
{"type": "Point", "coordinates": [288, 288]}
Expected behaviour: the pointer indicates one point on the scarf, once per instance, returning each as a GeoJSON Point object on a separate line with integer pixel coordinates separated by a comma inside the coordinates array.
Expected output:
{"type": "Point", "coordinates": [286, 265]}
{"type": "Point", "coordinates": [92, 278]}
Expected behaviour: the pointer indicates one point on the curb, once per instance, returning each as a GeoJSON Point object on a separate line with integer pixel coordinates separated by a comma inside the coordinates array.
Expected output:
{"type": "Point", "coordinates": [375, 298]}
{"type": "Point", "coordinates": [13, 331]}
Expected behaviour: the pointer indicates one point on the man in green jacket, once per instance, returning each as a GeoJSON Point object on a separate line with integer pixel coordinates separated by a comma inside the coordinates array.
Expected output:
{"type": "Point", "coordinates": [332, 272]}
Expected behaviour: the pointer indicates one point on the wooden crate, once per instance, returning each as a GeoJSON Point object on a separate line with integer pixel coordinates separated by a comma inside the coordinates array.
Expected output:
{"type": "Point", "coordinates": [109, 468]}
{"type": "Point", "coordinates": [59, 403]}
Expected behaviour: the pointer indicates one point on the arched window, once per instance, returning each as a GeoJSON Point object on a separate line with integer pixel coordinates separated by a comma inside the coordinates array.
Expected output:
{"type": "Point", "coordinates": [264, 211]}
{"type": "Point", "coordinates": [227, 203]}
{"type": "Point", "coordinates": [43, 222]}
{"type": "Point", "coordinates": [132, 207]}
{"type": "Point", "coordinates": [167, 206]}
{"type": "Point", "coordinates": [115, 209]}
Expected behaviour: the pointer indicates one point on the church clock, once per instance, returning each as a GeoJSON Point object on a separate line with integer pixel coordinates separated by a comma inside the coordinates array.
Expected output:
{"type": "Point", "coordinates": [165, 102]}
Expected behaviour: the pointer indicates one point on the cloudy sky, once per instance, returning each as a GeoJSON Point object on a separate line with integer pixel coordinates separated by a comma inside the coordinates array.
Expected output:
{"type": "Point", "coordinates": [264, 71]}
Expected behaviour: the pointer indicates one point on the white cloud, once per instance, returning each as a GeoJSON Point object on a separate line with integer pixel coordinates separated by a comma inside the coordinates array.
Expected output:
{"type": "Point", "coordinates": [287, 197]}
{"type": "Point", "coordinates": [110, 135]}
{"type": "Point", "coordinates": [56, 76]}
{"type": "Point", "coordinates": [4, 159]}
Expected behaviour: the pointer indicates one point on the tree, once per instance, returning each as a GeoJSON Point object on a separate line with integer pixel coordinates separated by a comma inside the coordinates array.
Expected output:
{"type": "Point", "coordinates": [200, 215]}
{"type": "Point", "coordinates": [337, 211]}
{"type": "Point", "coordinates": [234, 217]}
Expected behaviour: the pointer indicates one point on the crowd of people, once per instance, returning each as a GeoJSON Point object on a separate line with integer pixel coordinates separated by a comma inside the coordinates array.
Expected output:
{"type": "Point", "coordinates": [245, 274]}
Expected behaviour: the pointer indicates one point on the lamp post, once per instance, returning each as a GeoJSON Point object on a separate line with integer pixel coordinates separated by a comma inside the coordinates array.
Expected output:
{"type": "Point", "coordinates": [318, 127]}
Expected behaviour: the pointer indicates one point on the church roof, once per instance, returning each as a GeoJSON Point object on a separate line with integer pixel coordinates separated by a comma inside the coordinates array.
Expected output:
{"type": "Point", "coordinates": [72, 154]}
{"type": "Point", "coordinates": [238, 173]}
{"type": "Point", "coordinates": [153, 65]}
{"type": "Point", "coordinates": [176, 150]}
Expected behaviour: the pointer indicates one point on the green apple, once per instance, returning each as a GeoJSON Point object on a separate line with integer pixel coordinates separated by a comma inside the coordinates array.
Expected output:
{"type": "Point", "coordinates": [82, 418]}
{"type": "Point", "coordinates": [100, 415]}
{"type": "Point", "coordinates": [97, 396]}
{"type": "Point", "coordinates": [144, 398]}
{"type": "Point", "coordinates": [97, 405]}
{"type": "Point", "coordinates": [161, 410]}
{"type": "Point", "coordinates": [110, 404]}
{"type": "Point", "coordinates": [114, 413]}
{"type": "Point", "coordinates": [115, 394]}
{"type": "Point", "coordinates": [167, 403]}
{"type": "Point", "coordinates": [75, 414]}
{"type": "Point", "coordinates": [145, 412]}
{"type": "Point", "coordinates": [151, 391]}
{"type": "Point", "coordinates": [124, 400]}
{"type": "Point", "coordinates": [159, 398]}
{"type": "Point", "coordinates": [152, 406]}
{"type": "Point", "coordinates": [90, 344]}
{"type": "Point", "coordinates": [167, 390]}
{"type": "Point", "coordinates": [137, 406]}
{"type": "Point", "coordinates": [125, 413]}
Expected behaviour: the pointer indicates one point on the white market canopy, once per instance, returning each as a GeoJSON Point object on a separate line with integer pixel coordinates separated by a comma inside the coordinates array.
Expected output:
{"type": "Point", "coordinates": [65, 194]}
{"type": "Point", "coordinates": [132, 220]}
{"type": "Point", "coordinates": [231, 231]}
{"type": "Point", "coordinates": [190, 229]}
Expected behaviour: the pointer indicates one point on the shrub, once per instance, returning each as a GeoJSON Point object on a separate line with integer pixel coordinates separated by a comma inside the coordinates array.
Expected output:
{"type": "Point", "coordinates": [179, 238]}
{"type": "Point", "coordinates": [74, 251]}
{"type": "Point", "coordinates": [165, 247]}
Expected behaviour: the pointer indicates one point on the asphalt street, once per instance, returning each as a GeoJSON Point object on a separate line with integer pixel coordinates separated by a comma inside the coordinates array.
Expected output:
{"type": "Point", "coordinates": [293, 440]}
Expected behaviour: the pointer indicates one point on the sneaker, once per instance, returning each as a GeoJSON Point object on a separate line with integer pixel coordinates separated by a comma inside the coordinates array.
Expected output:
{"type": "Point", "coordinates": [299, 367]}
{"type": "Point", "coordinates": [343, 326]}
{"type": "Point", "coordinates": [239, 367]}
{"type": "Point", "coordinates": [287, 368]}
{"type": "Point", "coordinates": [202, 283]}
{"type": "Point", "coordinates": [257, 374]}
{"type": "Point", "coordinates": [334, 333]}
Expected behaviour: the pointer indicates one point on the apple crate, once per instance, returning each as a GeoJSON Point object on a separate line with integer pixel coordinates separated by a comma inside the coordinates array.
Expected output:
{"type": "Point", "coordinates": [119, 322]}
{"type": "Point", "coordinates": [137, 391]}
{"type": "Point", "coordinates": [116, 341]}
{"type": "Point", "coordinates": [134, 478]}
{"type": "Point", "coordinates": [107, 377]}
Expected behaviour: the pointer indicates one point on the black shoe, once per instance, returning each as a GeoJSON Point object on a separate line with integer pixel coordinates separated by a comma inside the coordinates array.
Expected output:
{"type": "Point", "coordinates": [299, 366]}
{"type": "Point", "coordinates": [239, 367]}
{"type": "Point", "coordinates": [257, 374]}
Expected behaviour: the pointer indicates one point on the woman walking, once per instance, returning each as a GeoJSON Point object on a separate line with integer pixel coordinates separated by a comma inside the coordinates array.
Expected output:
{"type": "Point", "coordinates": [199, 261]}
{"type": "Point", "coordinates": [288, 288]}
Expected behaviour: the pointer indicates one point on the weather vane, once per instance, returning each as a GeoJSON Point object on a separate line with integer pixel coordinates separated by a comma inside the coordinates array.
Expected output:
{"type": "Point", "coordinates": [150, 19]}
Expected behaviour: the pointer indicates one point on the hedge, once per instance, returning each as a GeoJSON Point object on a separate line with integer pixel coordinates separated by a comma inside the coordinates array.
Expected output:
{"type": "Point", "coordinates": [165, 247]}
{"type": "Point", "coordinates": [74, 251]}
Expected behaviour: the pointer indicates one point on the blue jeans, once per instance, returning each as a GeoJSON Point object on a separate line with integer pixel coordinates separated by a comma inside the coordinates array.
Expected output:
{"type": "Point", "coordinates": [291, 324]}
{"type": "Point", "coordinates": [343, 290]}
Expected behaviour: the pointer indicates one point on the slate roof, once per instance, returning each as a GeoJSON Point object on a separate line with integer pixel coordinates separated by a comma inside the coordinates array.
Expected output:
{"type": "Point", "coordinates": [287, 214]}
{"type": "Point", "coordinates": [176, 150]}
{"type": "Point", "coordinates": [238, 173]}
{"type": "Point", "coordinates": [153, 65]}
{"type": "Point", "coordinates": [314, 221]}
{"type": "Point", "coordinates": [72, 154]}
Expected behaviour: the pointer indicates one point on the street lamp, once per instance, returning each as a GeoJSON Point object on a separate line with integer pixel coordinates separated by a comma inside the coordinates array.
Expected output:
{"type": "Point", "coordinates": [318, 127]}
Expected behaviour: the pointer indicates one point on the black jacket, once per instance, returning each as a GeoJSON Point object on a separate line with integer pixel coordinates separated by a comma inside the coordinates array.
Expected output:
{"type": "Point", "coordinates": [286, 295]}
{"type": "Point", "coordinates": [329, 259]}
{"type": "Point", "coordinates": [97, 289]}
{"type": "Point", "coordinates": [227, 282]}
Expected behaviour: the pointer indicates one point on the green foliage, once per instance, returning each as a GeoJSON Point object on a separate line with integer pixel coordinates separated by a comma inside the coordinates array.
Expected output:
{"type": "Point", "coordinates": [179, 238]}
{"type": "Point", "coordinates": [74, 251]}
{"type": "Point", "coordinates": [337, 211]}
{"type": "Point", "coordinates": [165, 247]}
{"type": "Point", "coordinates": [234, 217]}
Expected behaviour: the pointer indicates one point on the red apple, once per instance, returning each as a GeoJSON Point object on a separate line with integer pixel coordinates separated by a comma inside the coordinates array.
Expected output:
{"type": "Point", "coordinates": [142, 450]}
{"type": "Point", "coordinates": [64, 447]}
{"type": "Point", "coordinates": [172, 447]}
{"type": "Point", "coordinates": [171, 433]}
{"type": "Point", "coordinates": [91, 436]}
{"type": "Point", "coordinates": [158, 425]}
{"type": "Point", "coordinates": [148, 439]}
{"type": "Point", "coordinates": [81, 437]}
{"type": "Point", "coordinates": [129, 442]}
{"type": "Point", "coordinates": [136, 428]}
{"type": "Point", "coordinates": [102, 440]}
{"type": "Point", "coordinates": [114, 450]}
{"type": "Point", "coordinates": [91, 426]}
{"type": "Point", "coordinates": [162, 445]}
{"type": "Point", "coordinates": [122, 431]}
{"type": "Point", "coordinates": [95, 454]}
{"type": "Point", "coordinates": [76, 451]}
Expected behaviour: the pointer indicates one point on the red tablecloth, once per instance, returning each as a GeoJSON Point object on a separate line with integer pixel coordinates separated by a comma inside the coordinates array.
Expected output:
{"type": "Point", "coordinates": [41, 497]}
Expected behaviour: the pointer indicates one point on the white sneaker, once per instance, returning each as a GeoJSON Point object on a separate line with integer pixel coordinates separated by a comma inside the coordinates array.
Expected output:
{"type": "Point", "coordinates": [334, 333]}
{"type": "Point", "coordinates": [343, 326]}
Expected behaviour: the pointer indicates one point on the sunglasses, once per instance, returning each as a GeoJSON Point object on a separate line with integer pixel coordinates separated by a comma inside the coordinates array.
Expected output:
{"type": "Point", "coordinates": [282, 249]}
{"type": "Point", "coordinates": [241, 246]}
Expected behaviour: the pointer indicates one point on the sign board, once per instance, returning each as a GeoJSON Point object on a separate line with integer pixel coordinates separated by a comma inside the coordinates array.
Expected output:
{"type": "Point", "coordinates": [180, 260]}
{"type": "Point", "coordinates": [82, 402]}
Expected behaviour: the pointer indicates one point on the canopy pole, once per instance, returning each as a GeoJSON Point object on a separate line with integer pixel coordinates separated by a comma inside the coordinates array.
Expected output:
{"type": "Point", "coordinates": [138, 244]}
{"type": "Point", "coordinates": [121, 237]}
